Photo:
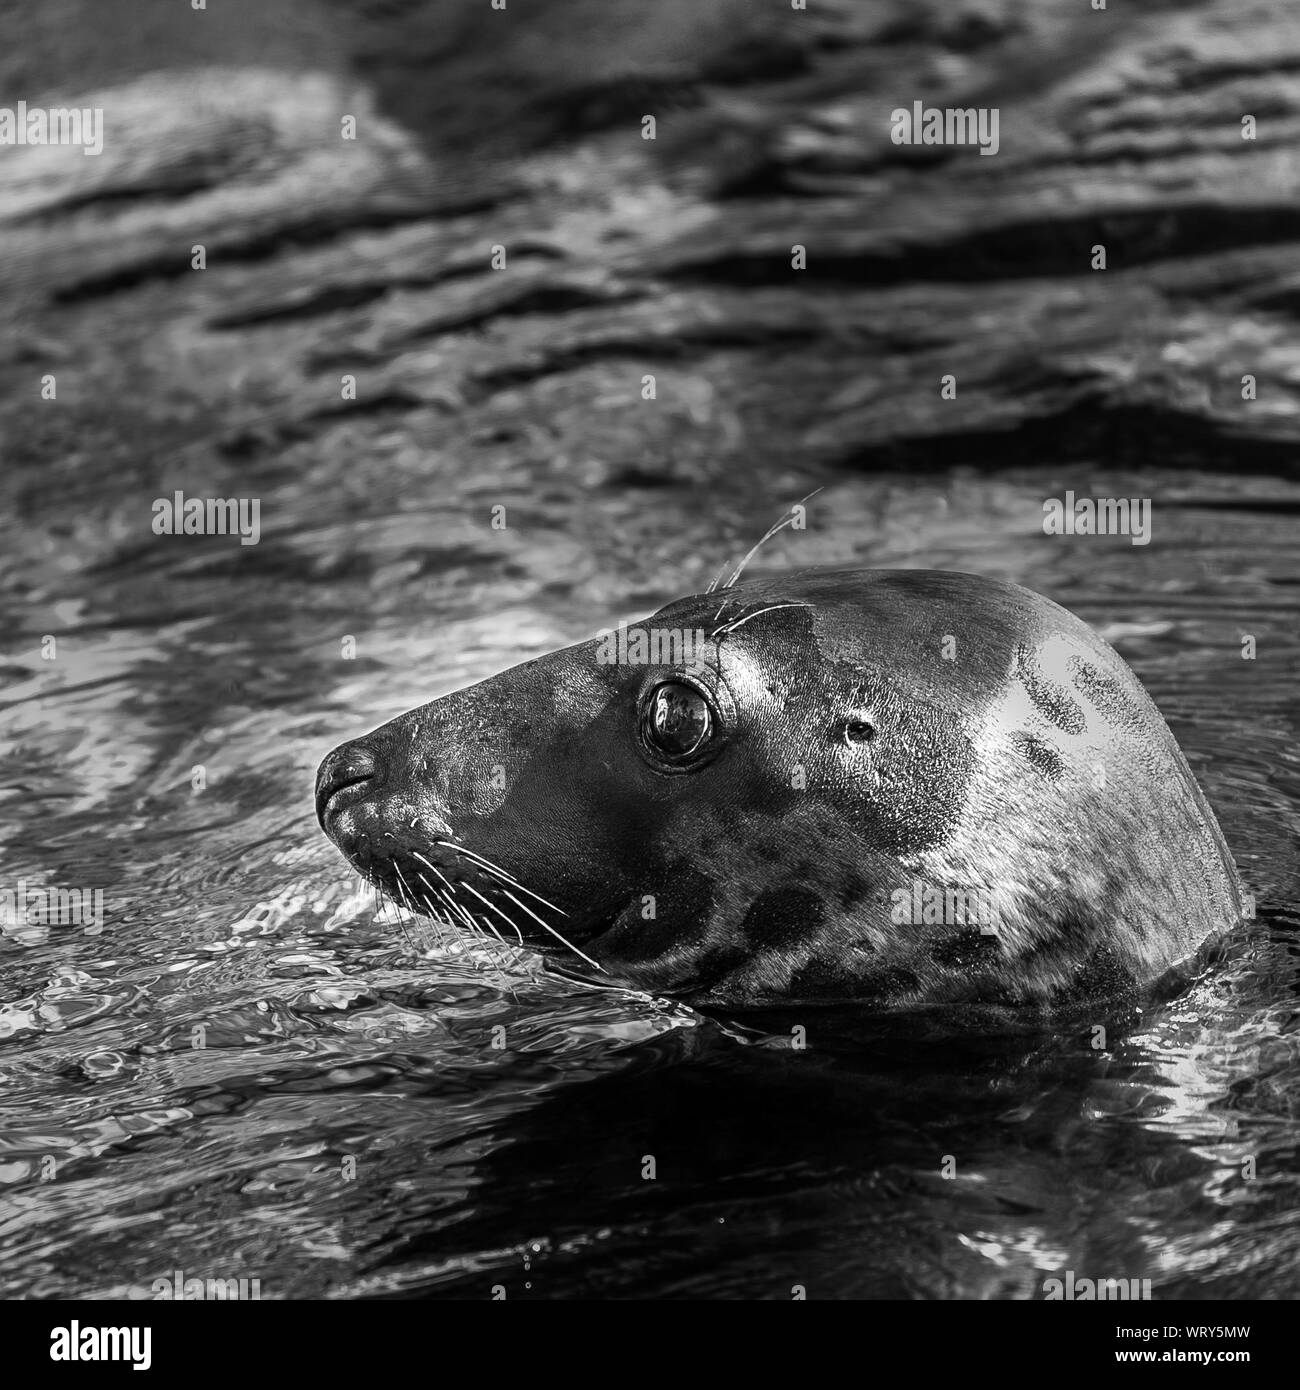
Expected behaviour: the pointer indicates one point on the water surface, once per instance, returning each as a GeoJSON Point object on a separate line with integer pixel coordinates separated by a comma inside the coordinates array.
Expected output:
{"type": "Point", "coordinates": [246, 1071]}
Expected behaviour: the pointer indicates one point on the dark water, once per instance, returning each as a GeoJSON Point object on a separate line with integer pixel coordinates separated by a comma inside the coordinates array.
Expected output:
{"type": "Point", "coordinates": [342, 1124]}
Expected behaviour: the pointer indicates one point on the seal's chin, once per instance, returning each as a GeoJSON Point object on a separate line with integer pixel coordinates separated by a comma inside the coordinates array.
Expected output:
{"type": "Point", "coordinates": [463, 889]}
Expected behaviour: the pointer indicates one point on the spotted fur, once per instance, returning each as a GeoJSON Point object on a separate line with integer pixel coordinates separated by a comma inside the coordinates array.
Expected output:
{"type": "Point", "coordinates": [879, 730]}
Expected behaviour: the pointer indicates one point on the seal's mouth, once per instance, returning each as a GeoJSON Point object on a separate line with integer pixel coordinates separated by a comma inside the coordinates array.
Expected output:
{"type": "Point", "coordinates": [418, 861]}
{"type": "Point", "coordinates": [342, 779]}
{"type": "Point", "coordinates": [331, 802]}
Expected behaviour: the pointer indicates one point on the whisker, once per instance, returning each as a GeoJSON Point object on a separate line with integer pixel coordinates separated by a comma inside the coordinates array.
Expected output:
{"type": "Point", "coordinates": [758, 613]}
{"type": "Point", "coordinates": [437, 871]}
{"type": "Point", "coordinates": [491, 926]}
{"type": "Point", "coordinates": [484, 863]}
{"type": "Point", "coordinates": [717, 577]}
{"type": "Point", "coordinates": [477, 930]}
{"type": "Point", "coordinates": [523, 907]}
{"type": "Point", "coordinates": [498, 872]}
{"type": "Point", "coordinates": [436, 916]}
{"type": "Point", "coordinates": [406, 935]}
{"type": "Point", "coordinates": [449, 897]}
{"type": "Point", "coordinates": [429, 915]}
{"type": "Point", "coordinates": [381, 900]}
{"type": "Point", "coordinates": [767, 535]}
{"type": "Point", "coordinates": [503, 917]}
{"type": "Point", "coordinates": [466, 917]}
{"type": "Point", "coordinates": [415, 854]}
{"type": "Point", "coordinates": [390, 906]}
{"type": "Point", "coordinates": [513, 927]}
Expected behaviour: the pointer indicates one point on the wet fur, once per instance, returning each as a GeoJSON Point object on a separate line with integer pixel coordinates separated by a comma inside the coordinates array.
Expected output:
{"type": "Point", "coordinates": [1031, 763]}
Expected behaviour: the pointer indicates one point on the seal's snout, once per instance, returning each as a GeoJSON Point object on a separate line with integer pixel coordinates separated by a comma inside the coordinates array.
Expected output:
{"type": "Point", "coordinates": [349, 766]}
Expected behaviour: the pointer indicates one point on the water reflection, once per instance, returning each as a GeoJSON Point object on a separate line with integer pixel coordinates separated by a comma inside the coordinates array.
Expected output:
{"type": "Point", "coordinates": [250, 1071]}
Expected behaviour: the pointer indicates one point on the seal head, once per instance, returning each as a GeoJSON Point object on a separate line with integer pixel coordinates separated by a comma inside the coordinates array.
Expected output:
{"type": "Point", "coordinates": [898, 790]}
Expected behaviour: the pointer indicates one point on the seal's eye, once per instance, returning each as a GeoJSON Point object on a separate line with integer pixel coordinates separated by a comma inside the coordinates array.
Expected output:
{"type": "Point", "coordinates": [677, 723]}
{"type": "Point", "coordinates": [859, 731]}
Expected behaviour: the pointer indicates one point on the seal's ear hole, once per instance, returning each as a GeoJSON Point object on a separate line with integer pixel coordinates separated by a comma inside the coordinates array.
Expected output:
{"type": "Point", "coordinates": [858, 731]}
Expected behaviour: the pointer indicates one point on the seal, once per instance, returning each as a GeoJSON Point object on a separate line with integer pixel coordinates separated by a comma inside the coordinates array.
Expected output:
{"type": "Point", "coordinates": [909, 792]}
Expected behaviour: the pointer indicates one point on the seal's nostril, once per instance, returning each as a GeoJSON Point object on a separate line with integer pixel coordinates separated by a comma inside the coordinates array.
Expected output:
{"type": "Point", "coordinates": [348, 765]}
